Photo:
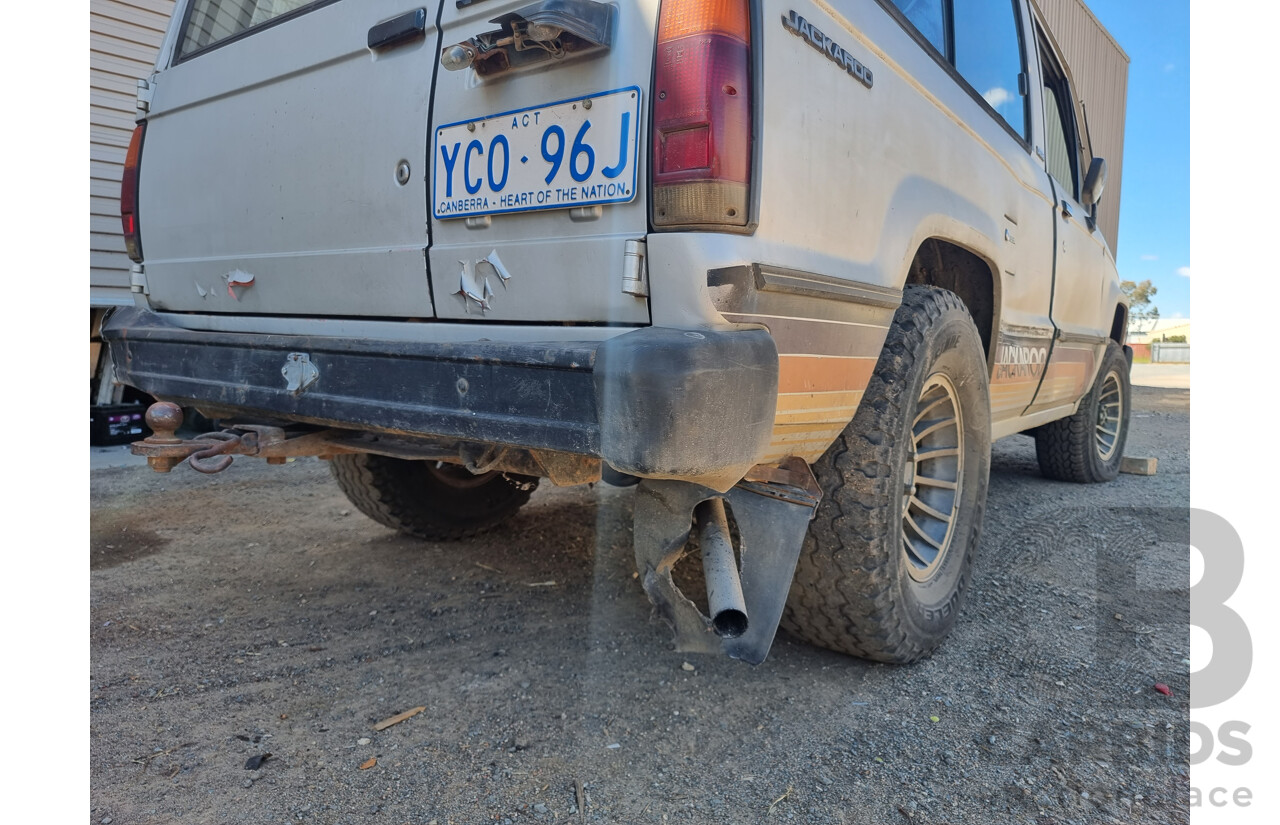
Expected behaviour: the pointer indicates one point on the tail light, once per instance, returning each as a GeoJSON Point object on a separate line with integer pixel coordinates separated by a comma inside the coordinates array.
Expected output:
{"type": "Point", "coordinates": [702, 114]}
{"type": "Point", "coordinates": [129, 195]}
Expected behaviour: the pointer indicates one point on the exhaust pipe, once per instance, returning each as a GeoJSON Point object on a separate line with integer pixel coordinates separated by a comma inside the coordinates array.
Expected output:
{"type": "Point", "coordinates": [724, 587]}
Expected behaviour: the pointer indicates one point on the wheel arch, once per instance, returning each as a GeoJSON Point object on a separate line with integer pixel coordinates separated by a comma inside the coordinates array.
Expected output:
{"type": "Point", "coordinates": [1120, 325]}
{"type": "Point", "coordinates": [944, 263]}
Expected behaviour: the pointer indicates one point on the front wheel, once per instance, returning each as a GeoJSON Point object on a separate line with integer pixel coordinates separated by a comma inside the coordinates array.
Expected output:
{"type": "Point", "coordinates": [429, 499]}
{"type": "Point", "coordinates": [886, 563]}
{"type": "Point", "coordinates": [1087, 447]}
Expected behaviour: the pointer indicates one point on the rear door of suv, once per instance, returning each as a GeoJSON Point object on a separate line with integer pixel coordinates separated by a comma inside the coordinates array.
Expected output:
{"type": "Point", "coordinates": [295, 163]}
{"type": "Point", "coordinates": [283, 168]}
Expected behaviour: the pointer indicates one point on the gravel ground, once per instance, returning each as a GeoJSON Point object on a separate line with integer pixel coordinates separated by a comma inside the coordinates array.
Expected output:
{"type": "Point", "coordinates": [256, 612]}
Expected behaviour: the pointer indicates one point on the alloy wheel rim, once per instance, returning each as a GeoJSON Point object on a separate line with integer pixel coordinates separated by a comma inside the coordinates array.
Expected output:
{"type": "Point", "coordinates": [1110, 415]}
{"type": "Point", "coordinates": [931, 478]}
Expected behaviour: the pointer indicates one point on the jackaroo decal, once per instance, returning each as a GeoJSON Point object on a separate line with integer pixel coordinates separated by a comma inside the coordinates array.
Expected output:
{"type": "Point", "coordinates": [802, 28]}
{"type": "Point", "coordinates": [1020, 363]}
{"type": "Point", "coordinates": [1015, 361]}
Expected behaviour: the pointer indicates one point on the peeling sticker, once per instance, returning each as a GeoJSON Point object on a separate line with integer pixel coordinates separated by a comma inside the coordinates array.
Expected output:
{"type": "Point", "coordinates": [204, 293]}
{"type": "Point", "coordinates": [299, 373]}
{"type": "Point", "coordinates": [237, 278]}
{"type": "Point", "coordinates": [495, 263]}
{"type": "Point", "coordinates": [470, 289]}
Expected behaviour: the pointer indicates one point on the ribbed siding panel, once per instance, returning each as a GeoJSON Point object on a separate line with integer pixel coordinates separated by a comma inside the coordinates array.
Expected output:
{"type": "Point", "coordinates": [124, 37]}
{"type": "Point", "coordinates": [1100, 69]}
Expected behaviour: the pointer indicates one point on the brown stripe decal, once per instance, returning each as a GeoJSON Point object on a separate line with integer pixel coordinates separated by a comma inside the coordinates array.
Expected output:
{"type": "Point", "coordinates": [824, 367]}
{"type": "Point", "coordinates": [815, 373]}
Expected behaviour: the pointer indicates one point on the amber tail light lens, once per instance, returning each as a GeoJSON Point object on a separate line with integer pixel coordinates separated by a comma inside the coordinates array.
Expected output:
{"type": "Point", "coordinates": [702, 102]}
{"type": "Point", "coordinates": [129, 195]}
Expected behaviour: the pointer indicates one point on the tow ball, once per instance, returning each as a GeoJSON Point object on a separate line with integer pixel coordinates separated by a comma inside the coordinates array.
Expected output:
{"type": "Point", "coordinates": [213, 452]}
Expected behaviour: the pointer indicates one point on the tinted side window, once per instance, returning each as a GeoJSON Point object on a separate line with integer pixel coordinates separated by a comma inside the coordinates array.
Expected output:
{"type": "Point", "coordinates": [215, 20]}
{"type": "Point", "coordinates": [927, 16]}
{"type": "Point", "coordinates": [989, 56]}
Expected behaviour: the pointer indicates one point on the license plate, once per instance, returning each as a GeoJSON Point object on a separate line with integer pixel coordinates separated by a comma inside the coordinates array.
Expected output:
{"type": "Point", "coordinates": [578, 152]}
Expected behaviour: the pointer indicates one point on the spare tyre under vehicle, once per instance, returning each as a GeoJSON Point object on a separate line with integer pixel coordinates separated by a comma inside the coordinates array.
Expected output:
{"type": "Point", "coordinates": [429, 499]}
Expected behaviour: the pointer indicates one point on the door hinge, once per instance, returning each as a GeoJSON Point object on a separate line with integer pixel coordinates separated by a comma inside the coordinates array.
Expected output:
{"type": "Point", "coordinates": [138, 280]}
{"type": "Point", "coordinates": [145, 90]}
{"type": "Point", "coordinates": [635, 277]}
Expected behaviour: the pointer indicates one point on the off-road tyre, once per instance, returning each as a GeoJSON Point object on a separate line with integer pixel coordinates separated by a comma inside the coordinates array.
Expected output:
{"type": "Point", "coordinates": [427, 499]}
{"type": "Point", "coordinates": [1075, 448]}
{"type": "Point", "coordinates": [854, 590]}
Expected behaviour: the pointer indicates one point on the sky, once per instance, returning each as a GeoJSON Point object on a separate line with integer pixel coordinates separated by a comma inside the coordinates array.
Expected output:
{"type": "Point", "coordinates": [1155, 205]}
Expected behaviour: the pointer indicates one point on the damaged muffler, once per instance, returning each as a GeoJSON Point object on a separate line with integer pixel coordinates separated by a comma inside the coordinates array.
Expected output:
{"type": "Point", "coordinates": [747, 588]}
{"type": "Point", "coordinates": [720, 567]}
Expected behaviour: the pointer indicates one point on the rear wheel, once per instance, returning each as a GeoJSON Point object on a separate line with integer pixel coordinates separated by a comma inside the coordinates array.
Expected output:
{"type": "Point", "coordinates": [1088, 447]}
{"type": "Point", "coordinates": [429, 499]}
{"type": "Point", "coordinates": [886, 563]}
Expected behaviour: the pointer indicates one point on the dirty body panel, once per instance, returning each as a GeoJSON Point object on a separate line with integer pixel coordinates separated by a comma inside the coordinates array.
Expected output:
{"type": "Point", "coordinates": [299, 151]}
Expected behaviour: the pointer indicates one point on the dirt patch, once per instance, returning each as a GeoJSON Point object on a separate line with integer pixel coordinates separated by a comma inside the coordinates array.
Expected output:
{"type": "Point", "coordinates": [279, 620]}
{"type": "Point", "coordinates": [116, 538]}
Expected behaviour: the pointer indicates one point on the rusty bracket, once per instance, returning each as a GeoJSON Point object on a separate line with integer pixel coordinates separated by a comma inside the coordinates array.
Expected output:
{"type": "Point", "coordinates": [791, 481]}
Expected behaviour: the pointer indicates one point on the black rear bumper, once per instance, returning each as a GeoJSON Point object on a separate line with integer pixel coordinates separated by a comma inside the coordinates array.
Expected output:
{"type": "Point", "coordinates": [653, 402]}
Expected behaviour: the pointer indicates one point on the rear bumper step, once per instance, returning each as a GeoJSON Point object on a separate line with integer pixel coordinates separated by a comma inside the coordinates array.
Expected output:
{"type": "Point", "coordinates": [654, 402]}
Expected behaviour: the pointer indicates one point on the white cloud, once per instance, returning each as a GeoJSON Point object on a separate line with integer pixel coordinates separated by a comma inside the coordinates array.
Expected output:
{"type": "Point", "coordinates": [1184, 271]}
{"type": "Point", "coordinates": [997, 97]}
{"type": "Point", "coordinates": [1150, 257]}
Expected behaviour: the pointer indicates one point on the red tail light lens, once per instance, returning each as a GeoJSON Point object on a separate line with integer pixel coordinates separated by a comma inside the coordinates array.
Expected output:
{"type": "Point", "coordinates": [129, 195]}
{"type": "Point", "coordinates": [702, 114]}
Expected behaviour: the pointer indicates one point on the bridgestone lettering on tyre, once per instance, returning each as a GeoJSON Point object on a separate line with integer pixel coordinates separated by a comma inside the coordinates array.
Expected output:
{"type": "Point", "coordinates": [1088, 447]}
{"type": "Point", "coordinates": [886, 563]}
{"type": "Point", "coordinates": [429, 499]}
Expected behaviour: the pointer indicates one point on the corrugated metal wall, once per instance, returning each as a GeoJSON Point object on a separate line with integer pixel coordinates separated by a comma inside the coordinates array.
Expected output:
{"type": "Point", "coordinates": [124, 37]}
{"type": "Point", "coordinates": [1100, 69]}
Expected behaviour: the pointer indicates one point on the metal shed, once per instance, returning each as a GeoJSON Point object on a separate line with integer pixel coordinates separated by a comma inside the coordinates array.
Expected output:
{"type": "Point", "coordinates": [1100, 69]}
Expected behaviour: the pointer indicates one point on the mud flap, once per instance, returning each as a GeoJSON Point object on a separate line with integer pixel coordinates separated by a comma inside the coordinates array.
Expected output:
{"type": "Point", "coordinates": [772, 520]}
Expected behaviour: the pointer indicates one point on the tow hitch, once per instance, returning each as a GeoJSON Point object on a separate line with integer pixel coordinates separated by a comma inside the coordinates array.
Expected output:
{"type": "Point", "coordinates": [772, 507]}
{"type": "Point", "coordinates": [213, 452]}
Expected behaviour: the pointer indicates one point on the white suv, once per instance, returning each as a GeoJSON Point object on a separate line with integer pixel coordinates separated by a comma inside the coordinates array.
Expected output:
{"type": "Point", "coordinates": [793, 265]}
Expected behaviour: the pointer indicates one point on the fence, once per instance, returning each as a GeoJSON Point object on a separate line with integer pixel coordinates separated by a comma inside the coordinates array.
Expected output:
{"type": "Point", "coordinates": [1164, 353]}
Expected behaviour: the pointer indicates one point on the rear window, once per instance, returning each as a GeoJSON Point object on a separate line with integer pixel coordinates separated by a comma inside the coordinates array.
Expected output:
{"type": "Point", "coordinates": [212, 21]}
